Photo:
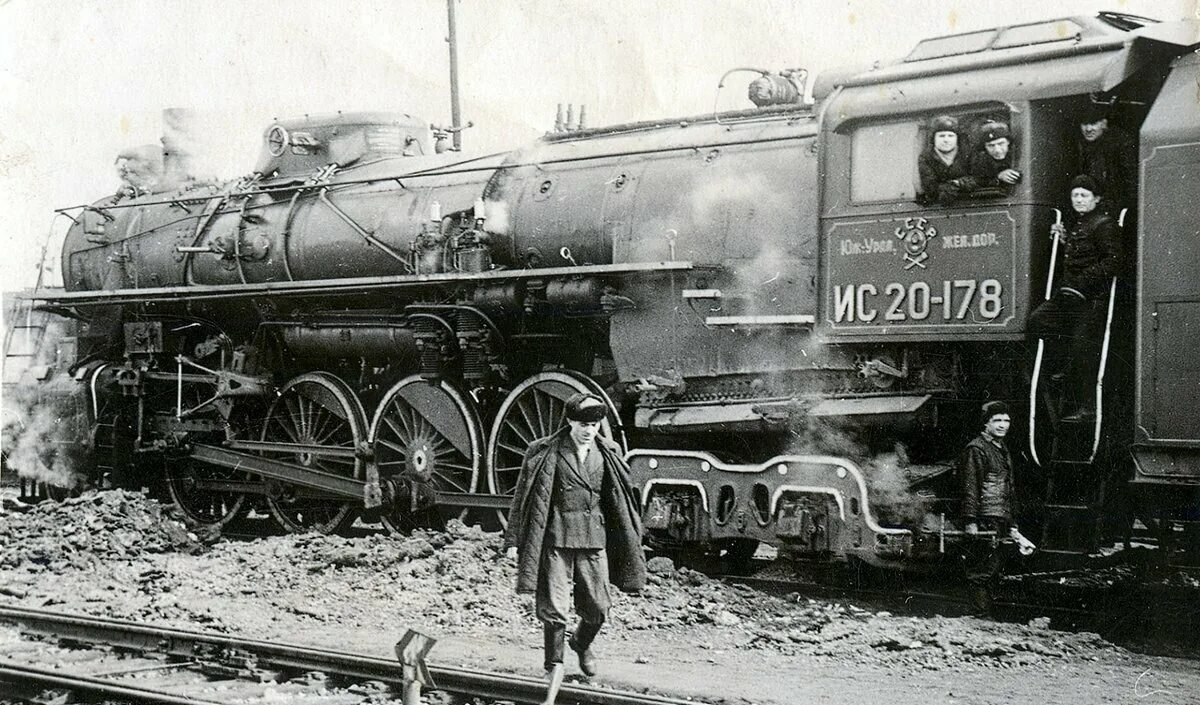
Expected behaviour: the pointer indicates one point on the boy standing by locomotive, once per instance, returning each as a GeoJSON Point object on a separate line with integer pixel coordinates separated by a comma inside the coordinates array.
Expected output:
{"type": "Point", "coordinates": [987, 474]}
{"type": "Point", "coordinates": [575, 519]}
{"type": "Point", "coordinates": [989, 495]}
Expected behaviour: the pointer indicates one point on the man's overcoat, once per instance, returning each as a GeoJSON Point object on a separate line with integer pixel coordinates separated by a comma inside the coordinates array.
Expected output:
{"type": "Point", "coordinates": [530, 511]}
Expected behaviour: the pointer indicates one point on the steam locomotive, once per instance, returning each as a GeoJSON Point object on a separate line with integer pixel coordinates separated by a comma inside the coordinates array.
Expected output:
{"type": "Point", "coordinates": [792, 346]}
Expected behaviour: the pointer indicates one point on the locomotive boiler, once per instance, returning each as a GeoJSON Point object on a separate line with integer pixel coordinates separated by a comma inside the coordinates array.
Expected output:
{"type": "Point", "coordinates": [790, 343]}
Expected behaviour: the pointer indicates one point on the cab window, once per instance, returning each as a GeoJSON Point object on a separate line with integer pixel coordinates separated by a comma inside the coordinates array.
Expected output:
{"type": "Point", "coordinates": [884, 157]}
{"type": "Point", "coordinates": [883, 162]}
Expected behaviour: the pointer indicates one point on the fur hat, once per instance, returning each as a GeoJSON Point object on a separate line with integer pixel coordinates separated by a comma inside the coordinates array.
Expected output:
{"type": "Point", "coordinates": [993, 131]}
{"type": "Point", "coordinates": [990, 409]}
{"type": "Point", "coordinates": [1087, 182]}
{"type": "Point", "coordinates": [586, 408]}
{"type": "Point", "coordinates": [943, 123]}
{"type": "Point", "coordinates": [1093, 113]}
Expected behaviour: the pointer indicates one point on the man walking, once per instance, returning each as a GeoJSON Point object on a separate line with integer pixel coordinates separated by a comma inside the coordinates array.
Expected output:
{"type": "Point", "coordinates": [575, 518]}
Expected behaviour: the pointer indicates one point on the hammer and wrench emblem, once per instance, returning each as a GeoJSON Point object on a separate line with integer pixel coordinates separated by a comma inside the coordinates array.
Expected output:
{"type": "Point", "coordinates": [915, 234]}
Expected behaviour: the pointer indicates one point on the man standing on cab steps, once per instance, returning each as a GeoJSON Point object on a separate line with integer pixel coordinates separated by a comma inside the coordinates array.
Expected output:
{"type": "Point", "coordinates": [575, 518]}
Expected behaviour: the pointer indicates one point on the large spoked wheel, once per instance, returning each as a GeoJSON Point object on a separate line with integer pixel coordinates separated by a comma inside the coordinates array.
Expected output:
{"type": "Point", "coordinates": [315, 409]}
{"type": "Point", "coordinates": [201, 506]}
{"type": "Point", "coordinates": [534, 409]}
{"type": "Point", "coordinates": [428, 432]}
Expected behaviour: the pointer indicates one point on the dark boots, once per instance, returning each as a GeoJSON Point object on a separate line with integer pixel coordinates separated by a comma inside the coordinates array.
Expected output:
{"type": "Point", "coordinates": [581, 643]}
{"type": "Point", "coordinates": [552, 639]}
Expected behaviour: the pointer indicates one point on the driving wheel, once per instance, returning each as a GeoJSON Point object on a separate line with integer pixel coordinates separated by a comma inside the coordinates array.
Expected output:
{"type": "Point", "coordinates": [428, 433]}
{"type": "Point", "coordinates": [314, 409]}
{"type": "Point", "coordinates": [536, 408]}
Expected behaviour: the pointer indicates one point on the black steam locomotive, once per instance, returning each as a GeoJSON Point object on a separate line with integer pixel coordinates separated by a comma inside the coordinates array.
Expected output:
{"type": "Point", "coordinates": [792, 345]}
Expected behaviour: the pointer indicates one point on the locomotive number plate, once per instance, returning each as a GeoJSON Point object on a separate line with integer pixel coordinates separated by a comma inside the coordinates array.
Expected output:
{"type": "Point", "coordinates": [959, 300]}
{"type": "Point", "coordinates": [947, 271]}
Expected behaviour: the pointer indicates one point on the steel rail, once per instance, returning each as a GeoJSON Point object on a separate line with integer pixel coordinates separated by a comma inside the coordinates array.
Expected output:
{"type": "Point", "coordinates": [15, 673]}
{"type": "Point", "coordinates": [192, 645]}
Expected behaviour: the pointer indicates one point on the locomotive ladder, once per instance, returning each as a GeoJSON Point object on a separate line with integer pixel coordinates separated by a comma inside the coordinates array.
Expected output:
{"type": "Point", "coordinates": [32, 324]}
{"type": "Point", "coordinates": [1075, 495]}
{"type": "Point", "coordinates": [1076, 484]}
{"type": "Point", "coordinates": [26, 331]}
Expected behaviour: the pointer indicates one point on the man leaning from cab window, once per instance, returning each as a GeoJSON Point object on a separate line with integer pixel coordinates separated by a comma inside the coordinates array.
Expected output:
{"type": "Point", "coordinates": [942, 165]}
{"type": "Point", "coordinates": [992, 166]}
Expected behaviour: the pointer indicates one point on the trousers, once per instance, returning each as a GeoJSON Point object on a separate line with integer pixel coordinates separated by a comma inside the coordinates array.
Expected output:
{"type": "Point", "coordinates": [1072, 328]}
{"type": "Point", "coordinates": [578, 572]}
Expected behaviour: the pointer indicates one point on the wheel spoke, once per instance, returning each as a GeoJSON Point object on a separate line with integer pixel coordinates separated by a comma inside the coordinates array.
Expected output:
{"type": "Point", "coordinates": [303, 420]}
{"type": "Point", "coordinates": [336, 430]}
{"type": "Point", "coordinates": [512, 449]}
{"type": "Point", "coordinates": [529, 423]}
{"type": "Point", "coordinates": [401, 436]}
{"type": "Point", "coordinates": [322, 422]}
{"type": "Point", "coordinates": [449, 479]}
{"type": "Point", "coordinates": [403, 419]}
{"type": "Point", "coordinates": [517, 432]}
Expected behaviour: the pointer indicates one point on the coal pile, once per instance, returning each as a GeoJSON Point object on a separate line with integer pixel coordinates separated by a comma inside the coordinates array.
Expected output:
{"type": "Point", "coordinates": [94, 527]}
{"type": "Point", "coordinates": [458, 581]}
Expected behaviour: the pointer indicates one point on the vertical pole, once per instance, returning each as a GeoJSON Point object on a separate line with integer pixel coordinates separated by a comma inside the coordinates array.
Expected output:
{"type": "Point", "coordinates": [455, 112]}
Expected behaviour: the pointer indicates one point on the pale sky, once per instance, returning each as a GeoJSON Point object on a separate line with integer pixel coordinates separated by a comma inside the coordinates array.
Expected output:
{"type": "Point", "coordinates": [80, 80]}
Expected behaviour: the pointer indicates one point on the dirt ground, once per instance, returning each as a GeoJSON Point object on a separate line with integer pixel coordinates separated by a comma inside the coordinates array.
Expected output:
{"type": "Point", "coordinates": [119, 555]}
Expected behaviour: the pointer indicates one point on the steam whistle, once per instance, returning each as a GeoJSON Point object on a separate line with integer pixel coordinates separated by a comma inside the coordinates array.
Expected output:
{"type": "Point", "coordinates": [443, 135]}
{"type": "Point", "coordinates": [569, 123]}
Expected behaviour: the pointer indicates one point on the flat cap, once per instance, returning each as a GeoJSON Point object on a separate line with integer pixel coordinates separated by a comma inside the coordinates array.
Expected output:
{"type": "Point", "coordinates": [990, 409]}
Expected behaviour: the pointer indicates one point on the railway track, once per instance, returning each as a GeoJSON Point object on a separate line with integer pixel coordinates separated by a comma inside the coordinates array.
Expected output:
{"type": "Point", "coordinates": [1136, 610]}
{"type": "Point", "coordinates": [137, 663]}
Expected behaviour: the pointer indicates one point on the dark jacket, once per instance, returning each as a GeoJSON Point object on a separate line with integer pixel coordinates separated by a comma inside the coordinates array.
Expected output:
{"type": "Point", "coordinates": [529, 515]}
{"type": "Point", "coordinates": [1112, 162]}
{"type": "Point", "coordinates": [987, 475]}
{"type": "Point", "coordinates": [940, 182]}
{"type": "Point", "coordinates": [984, 170]}
{"type": "Point", "coordinates": [577, 519]}
{"type": "Point", "coordinates": [1091, 253]}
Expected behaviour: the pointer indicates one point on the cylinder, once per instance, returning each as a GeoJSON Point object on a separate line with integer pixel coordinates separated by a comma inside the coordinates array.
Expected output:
{"type": "Point", "coordinates": [574, 295]}
{"type": "Point", "coordinates": [374, 343]}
